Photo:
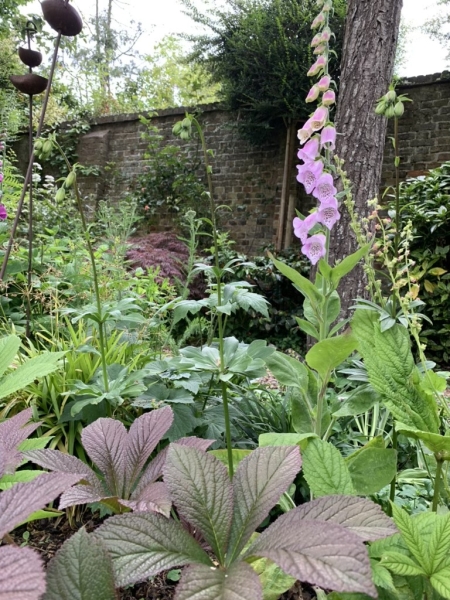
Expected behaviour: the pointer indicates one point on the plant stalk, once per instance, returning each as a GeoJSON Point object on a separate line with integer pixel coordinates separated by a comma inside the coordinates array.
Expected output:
{"type": "Point", "coordinates": [437, 483]}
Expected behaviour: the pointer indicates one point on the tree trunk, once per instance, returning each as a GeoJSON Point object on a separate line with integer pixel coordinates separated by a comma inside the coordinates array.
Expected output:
{"type": "Point", "coordinates": [367, 65]}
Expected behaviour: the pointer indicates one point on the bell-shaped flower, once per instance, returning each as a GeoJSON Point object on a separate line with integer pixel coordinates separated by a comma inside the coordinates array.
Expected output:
{"type": "Point", "coordinates": [305, 132]}
{"type": "Point", "coordinates": [313, 94]}
{"type": "Point", "coordinates": [314, 247]}
{"type": "Point", "coordinates": [303, 227]}
{"type": "Point", "coordinates": [309, 174]}
{"type": "Point", "coordinates": [310, 150]}
{"type": "Point", "coordinates": [328, 212]}
{"type": "Point", "coordinates": [320, 49]}
{"type": "Point", "coordinates": [318, 21]}
{"type": "Point", "coordinates": [324, 189]}
{"type": "Point", "coordinates": [3, 213]}
{"type": "Point", "coordinates": [324, 83]}
{"type": "Point", "coordinates": [319, 118]}
{"type": "Point", "coordinates": [328, 137]}
{"type": "Point", "coordinates": [329, 98]}
{"type": "Point", "coordinates": [317, 39]}
{"type": "Point", "coordinates": [327, 5]}
{"type": "Point", "coordinates": [325, 35]}
{"type": "Point", "coordinates": [317, 66]}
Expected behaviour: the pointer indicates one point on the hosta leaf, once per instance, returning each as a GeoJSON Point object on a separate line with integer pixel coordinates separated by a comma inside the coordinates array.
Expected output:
{"type": "Point", "coordinates": [258, 484]}
{"type": "Point", "coordinates": [319, 553]}
{"type": "Point", "coordinates": [143, 436]}
{"type": "Point", "coordinates": [105, 440]}
{"type": "Point", "coordinates": [24, 498]}
{"type": "Point", "coordinates": [9, 347]}
{"type": "Point", "coordinates": [359, 515]}
{"type": "Point", "coordinates": [200, 488]}
{"type": "Point", "coordinates": [238, 582]}
{"type": "Point", "coordinates": [401, 564]}
{"type": "Point", "coordinates": [22, 575]}
{"type": "Point", "coordinates": [144, 544]}
{"type": "Point", "coordinates": [30, 370]}
{"type": "Point", "coordinates": [325, 469]}
{"type": "Point", "coordinates": [155, 468]}
{"type": "Point", "coordinates": [54, 460]}
{"type": "Point", "coordinates": [81, 570]}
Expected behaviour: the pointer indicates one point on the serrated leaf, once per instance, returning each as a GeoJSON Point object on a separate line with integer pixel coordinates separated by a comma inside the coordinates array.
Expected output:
{"type": "Point", "coordinates": [81, 494]}
{"type": "Point", "coordinates": [359, 515]}
{"type": "Point", "coordinates": [439, 543]}
{"type": "Point", "coordinates": [284, 439]}
{"type": "Point", "coordinates": [81, 570]}
{"type": "Point", "coordinates": [319, 553]}
{"type": "Point", "coordinates": [287, 370]}
{"type": "Point", "coordinates": [144, 544]}
{"type": "Point", "coordinates": [155, 497]}
{"type": "Point", "coordinates": [54, 460]}
{"type": "Point", "coordinates": [35, 443]}
{"type": "Point", "coordinates": [26, 373]}
{"type": "Point", "coordinates": [258, 484]}
{"type": "Point", "coordinates": [200, 488]}
{"type": "Point", "coordinates": [328, 354]}
{"type": "Point", "coordinates": [17, 503]}
{"type": "Point", "coordinates": [9, 347]}
{"type": "Point", "coordinates": [411, 535]}
{"type": "Point", "coordinates": [441, 582]}
{"type": "Point", "coordinates": [325, 469]}
{"type": "Point", "coordinates": [238, 582]}
{"type": "Point", "coordinates": [382, 577]}
{"type": "Point", "coordinates": [22, 575]}
{"type": "Point", "coordinates": [401, 564]}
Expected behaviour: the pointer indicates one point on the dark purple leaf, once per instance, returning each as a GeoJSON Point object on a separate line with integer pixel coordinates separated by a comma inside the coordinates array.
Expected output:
{"type": "Point", "coordinates": [200, 488]}
{"type": "Point", "coordinates": [17, 503]}
{"type": "Point", "coordinates": [22, 575]}
{"type": "Point", "coordinates": [155, 469]}
{"type": "Point", "coordinates": [105, 441]}
{"type": "Point", "coordinates": [80, 494]}
{"type": "Point", "coordinates": [81, 570]}
{"type": "Point", "coordinates": [363, 517]}
{"type": "Point", "coordinates": [54, 460]}
{"type": "Point", "coordinates": [143, 436]}
{"type": "Point", "coordinates": [260, 480]}
{"type": "Point", "coordinates": [154, 498]}
{"type": "Point", "coordinates": [13, 432]}
{"type": "Point", "coordinates": [239, 582]}
{"type": "Point", "coordinates": [320, 553]}
{"type": "Point", "coordinates": [144, 544]}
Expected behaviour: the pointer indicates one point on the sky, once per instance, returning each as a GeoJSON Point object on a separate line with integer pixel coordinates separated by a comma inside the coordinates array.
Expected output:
{"type": "Point", "coordinates": [160, 18]}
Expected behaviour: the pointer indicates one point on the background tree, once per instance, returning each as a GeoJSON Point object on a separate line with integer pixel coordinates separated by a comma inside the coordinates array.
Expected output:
{"type": "Point", "coordinates": [367, 66]}
{"type": "Point", "coordinates": [438, 26]}
{"type": "Point", "coordinates": [258, 51]}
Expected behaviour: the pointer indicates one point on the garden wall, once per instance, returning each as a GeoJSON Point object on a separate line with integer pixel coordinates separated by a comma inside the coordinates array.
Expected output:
{"type": "Point", "coordinates": [248, 178]}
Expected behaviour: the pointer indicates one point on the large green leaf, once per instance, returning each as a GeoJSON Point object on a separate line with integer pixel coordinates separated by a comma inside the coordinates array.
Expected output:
{"type": "Point", "coordinates": [9, 346]}
{"type": "Point", "coordinates": [303, 285]}
{"type": "Point", "coordinates": [371, 469]}
{"type": "Point", "coordinates": [359, 402]}
{"type": "Point", "coordinates": [328, 354]}
{"type": "Point", "coordinates": [401, 564]}
{"type": "Point", "coordinates": [81, 570]}
{"type": "Point", "coordinates": [285, 439]}
{"type": "Point", "coordinates": [144, 544]}
{"type": "Point", "coordinates": [238, 582]}
{"type": "Point", "coordinates": [325, 469]}
{"type": "Point", "coordinates": [26, 373]}
{"type": "Point", "coordinates": [348, 264]}
{"type": "Point", "coordinates": [200, 488]}
{"type": "Point", "coordinates": [441, 581]}
{"type": "Point", "coordinates": [438, 444]}
{"type": "Point", "coordinates": [287, 370]}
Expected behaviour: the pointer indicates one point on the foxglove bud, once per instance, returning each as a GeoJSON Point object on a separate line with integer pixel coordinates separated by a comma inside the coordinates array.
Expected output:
{"type": "Point", "coordinates": [318, 21]}
{"type": "Point", "coordinates": [324, 83]}
{"type": "Point", "coordinates": [320, 49]}
{"type": "Point", "coordinates": [317, 66]}
{"type": "Point", "coordinates": [328, 98]}
{"type": "Point", "coordinates": [313, 94]}
{"type": "Point", "coordinates": [317, 39]}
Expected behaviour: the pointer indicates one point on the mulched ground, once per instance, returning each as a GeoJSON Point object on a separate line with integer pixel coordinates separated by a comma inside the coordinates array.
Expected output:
{"type": "Point", "coordinates": [47, 536]}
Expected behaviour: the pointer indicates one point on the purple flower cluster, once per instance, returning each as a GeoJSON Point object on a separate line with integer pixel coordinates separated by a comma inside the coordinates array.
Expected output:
{"type": "Point", "coordinates": [318, 138]}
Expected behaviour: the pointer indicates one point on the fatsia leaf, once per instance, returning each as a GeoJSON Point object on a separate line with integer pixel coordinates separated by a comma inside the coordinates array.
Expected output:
{"type": "Point", "coordinates": [325, 469]}
{"type": "Point", "coordinates": [359, 515]}
{"type": "Point", "coordinates": [144, 544]}
{"type": "Point", "coordinates": [24, 498]}
{"type": "Point", "coordinates": [200, 488]}
{"type": "Point", "coordinates": [258, 484]}
{"type": "Point", "coordinates": [155, 468]}
{"type": "Point", "coordinates": [22, 575]}
{"type": "Point", "coordinates": [81, 570]}
{"type": "Point", "coordinates": [54, 460]}
{"type": "Point", "coordinates": [143, 436]}
{"type": "Point", "coordinates": [105, 441]}
{"type": "Point", "coordinates": [238, 582]}
{"type": "Point", "coordinates": [319, 553]}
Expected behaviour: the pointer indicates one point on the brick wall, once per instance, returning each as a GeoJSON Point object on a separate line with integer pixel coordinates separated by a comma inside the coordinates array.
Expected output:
{"type": "Point", "coordinates": [248, 178]}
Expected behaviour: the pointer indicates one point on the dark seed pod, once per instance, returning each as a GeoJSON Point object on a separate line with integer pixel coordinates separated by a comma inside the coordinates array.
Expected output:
{"type": "Point", "coordinates": [62, 17]}
{"type": "Point", "coordinates": [31, 58]}
{"type": "Point", "coordinates": [29, 84]}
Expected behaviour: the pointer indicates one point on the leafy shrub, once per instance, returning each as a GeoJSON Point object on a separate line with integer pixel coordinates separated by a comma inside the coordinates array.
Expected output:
{"type": "Point", "coordinates": [425, 202]}
{"type": "Point", "coordinates": [162, 251]}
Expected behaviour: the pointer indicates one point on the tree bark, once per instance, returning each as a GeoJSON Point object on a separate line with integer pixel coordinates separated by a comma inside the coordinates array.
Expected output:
{"type": "Point", "coordinates": [367, 66]}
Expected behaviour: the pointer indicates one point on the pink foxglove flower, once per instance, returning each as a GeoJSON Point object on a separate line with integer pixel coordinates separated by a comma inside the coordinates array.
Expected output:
{"type": "Point", "coordinates": [314, 247]}
{"type": "Point", "coordinates": [317, 66]}
{"type": "Point", "coordinates": [305, 132]}
{"type": "Point", "coordinates": [324, 83]}
{"type": "Point", "coordinates": [309, 174]}
{"type": "Point", "coordinates": [328, 213]}
{"type": "Point", "coordinates": [302, 228]}
{"type": "Point", "coordinates": [310, 150]}
{"type": "Point", "coordinates": [325, 35]}
{"type": "Point", "coordinates": [319, 118]}
{"type": "Point", "coordinates": [3, 213]}
{"type": "Point", "coordinates": [320, 49]}
{"type": "Point", "coordinates": [318, 21]}
{"type": "Point", "coordinates": [317, 39]}
{"type": "Point", "coordinates": [1, 177]}
{"type": "Point", "coordinates": [324, 189]}
{"type": "Point", "coordinates": [328, 137]}
{"type": "Point", "coordinates": [327, 6]}
{"type": "Point", "coordinates": [328, 98]}
{"type": "Point", "coordinates": [313, 94]}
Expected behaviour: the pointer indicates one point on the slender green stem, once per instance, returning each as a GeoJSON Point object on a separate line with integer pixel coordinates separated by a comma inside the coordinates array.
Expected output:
{"type": "Point", "coordinates": [394, 480]}
{"type": "Point", "coordinates": [437, 483]}
{"type": "Point", "coordinates": [320, 403]}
